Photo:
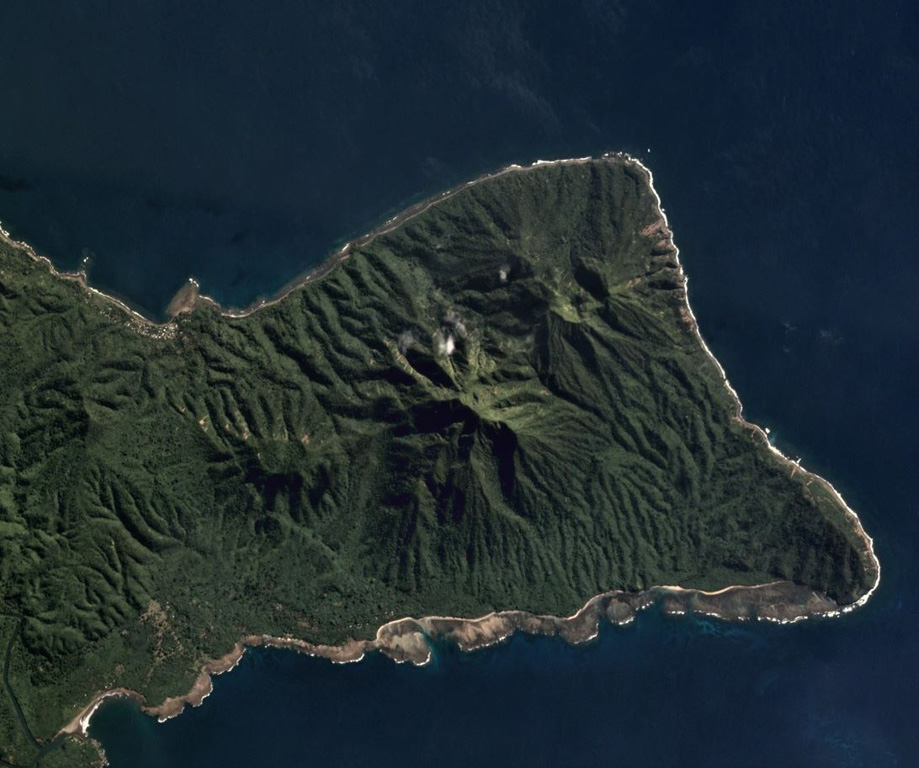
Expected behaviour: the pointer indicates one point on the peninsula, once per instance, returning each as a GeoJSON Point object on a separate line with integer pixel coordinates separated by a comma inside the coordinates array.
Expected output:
{"type": "Point", "coordinates": [494, 412]}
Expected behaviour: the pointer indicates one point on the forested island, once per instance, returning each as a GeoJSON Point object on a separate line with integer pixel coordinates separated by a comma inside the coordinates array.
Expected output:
{"type": "Point", "coordinates": [498, 405]}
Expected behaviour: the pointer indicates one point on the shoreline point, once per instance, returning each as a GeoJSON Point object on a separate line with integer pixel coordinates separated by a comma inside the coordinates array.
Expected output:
{"type": "Point", "coordinates": [80, 724]}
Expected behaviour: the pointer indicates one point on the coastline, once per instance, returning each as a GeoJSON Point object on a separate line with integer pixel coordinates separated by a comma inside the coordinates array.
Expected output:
{"type": "Point", "coordinates": [188, 297]}
{"type": "Point", "coordinates": [407, 639]}
{"type": "Point", "coordinates": [794, 465]}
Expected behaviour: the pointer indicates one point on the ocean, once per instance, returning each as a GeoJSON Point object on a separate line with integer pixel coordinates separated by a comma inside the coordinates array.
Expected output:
{"type": "Point", "coordinates": [241, 143]}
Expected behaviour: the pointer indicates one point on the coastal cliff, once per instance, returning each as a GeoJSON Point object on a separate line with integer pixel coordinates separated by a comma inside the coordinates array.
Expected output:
{"type": "Point", "coordinates": [499, 400]}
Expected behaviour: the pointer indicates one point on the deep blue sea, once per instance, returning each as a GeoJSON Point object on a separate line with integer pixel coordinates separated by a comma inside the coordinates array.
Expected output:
{"type": "Point", "coordinates": [239, 142]}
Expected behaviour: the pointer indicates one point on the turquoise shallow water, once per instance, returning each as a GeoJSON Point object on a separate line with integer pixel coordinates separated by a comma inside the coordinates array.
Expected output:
{"type": "Point", "coordinates": [170, 139]}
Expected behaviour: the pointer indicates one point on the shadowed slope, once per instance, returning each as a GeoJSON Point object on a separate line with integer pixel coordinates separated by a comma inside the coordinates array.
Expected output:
{"type": "Point", "coordinates": [501, 403]}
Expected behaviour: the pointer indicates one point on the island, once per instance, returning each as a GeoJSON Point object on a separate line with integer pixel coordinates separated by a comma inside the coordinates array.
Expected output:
{"type": "Point", "coordinates": [495, 413]}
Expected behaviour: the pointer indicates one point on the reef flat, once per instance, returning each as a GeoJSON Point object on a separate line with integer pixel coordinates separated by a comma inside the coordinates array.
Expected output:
{"type": "Point", "coordinates": [497, 406]}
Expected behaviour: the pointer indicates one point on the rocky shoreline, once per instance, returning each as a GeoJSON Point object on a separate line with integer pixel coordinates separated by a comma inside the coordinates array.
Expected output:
{"type": "Point", "coordinates": [409, 640]}
{"type": "Point", "coordinates": [189, 296]}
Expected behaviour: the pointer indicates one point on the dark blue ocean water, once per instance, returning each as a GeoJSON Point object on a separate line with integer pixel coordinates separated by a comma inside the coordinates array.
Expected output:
{"type": "Point", "coordinates": [239, 142]}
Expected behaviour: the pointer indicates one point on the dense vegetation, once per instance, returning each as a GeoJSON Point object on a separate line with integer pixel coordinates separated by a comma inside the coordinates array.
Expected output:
{"type": "Point", "coordinates": [501, 403]}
